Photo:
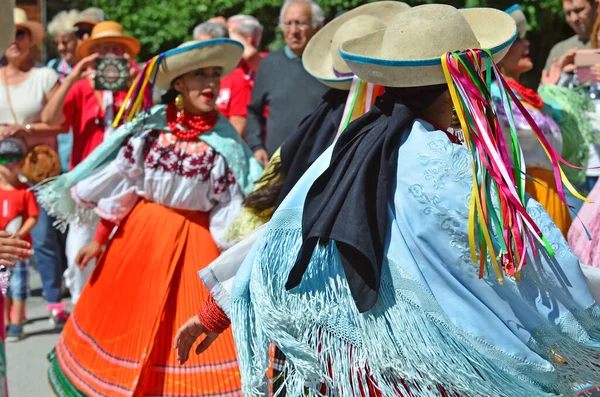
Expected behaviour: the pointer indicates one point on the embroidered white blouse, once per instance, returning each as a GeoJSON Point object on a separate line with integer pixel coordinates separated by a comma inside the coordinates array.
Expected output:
{"type": "Point", "coordinates": [156, 166]}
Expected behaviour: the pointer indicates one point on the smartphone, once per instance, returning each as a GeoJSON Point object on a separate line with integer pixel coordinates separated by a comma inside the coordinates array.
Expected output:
{"type": "Point", "coordinates": [584, 60]}
{"type": "Point", "coordinates": [112, 74]}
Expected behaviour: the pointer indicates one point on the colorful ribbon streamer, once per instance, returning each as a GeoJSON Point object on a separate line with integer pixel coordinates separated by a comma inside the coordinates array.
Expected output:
{"type": "Point", "coordinates": [503, 231]}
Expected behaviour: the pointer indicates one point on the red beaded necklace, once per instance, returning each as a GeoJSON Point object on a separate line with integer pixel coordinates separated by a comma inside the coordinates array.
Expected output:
{"type": "Point", "coordinates": [527, 94]}
{"type": "Point", "coordinates": [195, 125]}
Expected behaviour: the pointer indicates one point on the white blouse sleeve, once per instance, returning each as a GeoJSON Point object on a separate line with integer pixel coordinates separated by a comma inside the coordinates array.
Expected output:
{"type": "Point", "coordinates": [113, 190]}
{"type": "Point", "coordinates": [228, 199]}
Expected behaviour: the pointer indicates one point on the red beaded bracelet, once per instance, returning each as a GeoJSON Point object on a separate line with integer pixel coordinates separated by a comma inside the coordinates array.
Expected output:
{"type": "Point", "coordinates": [213, 317]}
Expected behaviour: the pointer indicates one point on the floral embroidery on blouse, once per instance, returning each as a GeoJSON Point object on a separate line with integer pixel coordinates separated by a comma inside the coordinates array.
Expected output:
{"type": "Point", "coordinates": [164, 152]}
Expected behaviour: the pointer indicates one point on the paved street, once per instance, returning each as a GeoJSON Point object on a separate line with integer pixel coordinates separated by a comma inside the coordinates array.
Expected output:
{"type": "Point", "coordinates": [26, 359]}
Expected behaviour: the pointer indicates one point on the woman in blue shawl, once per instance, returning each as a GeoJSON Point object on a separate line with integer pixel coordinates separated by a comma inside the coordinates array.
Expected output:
{"type": "Point", "coordinates": [402, 262]}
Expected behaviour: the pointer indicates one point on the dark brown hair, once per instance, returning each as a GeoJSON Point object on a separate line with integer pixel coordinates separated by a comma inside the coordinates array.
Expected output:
{"type": "Point", "coordinates": [594, 34]}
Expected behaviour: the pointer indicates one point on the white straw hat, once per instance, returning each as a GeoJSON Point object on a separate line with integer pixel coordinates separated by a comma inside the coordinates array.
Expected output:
{"type": "Point", "coordinates": [194, 55]}
{"type": "Point", "coordinates": [516, 12]}
{"type": "Point", "coordinates": [35, 28]}
{"type": "Point", "coordinates": [408, 52]}
{"type": "Point", "coordinates": [7, 25]}
{"type": "Point", "coordinates": [321, 57]}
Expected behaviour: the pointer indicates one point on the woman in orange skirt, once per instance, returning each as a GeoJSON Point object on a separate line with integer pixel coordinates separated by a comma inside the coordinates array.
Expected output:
{"type": "Point", "coordinates": [178, 179]}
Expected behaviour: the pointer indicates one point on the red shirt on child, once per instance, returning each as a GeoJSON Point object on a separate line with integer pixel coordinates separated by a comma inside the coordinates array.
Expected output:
{"type": "Point", "coordinates": [15, 207]}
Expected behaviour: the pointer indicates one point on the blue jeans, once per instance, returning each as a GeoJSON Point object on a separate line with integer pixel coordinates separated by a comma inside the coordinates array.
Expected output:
{"type": "Point", "coordinates": [49, 251]}
{"type": "Point", "coordinates": [18, 288]}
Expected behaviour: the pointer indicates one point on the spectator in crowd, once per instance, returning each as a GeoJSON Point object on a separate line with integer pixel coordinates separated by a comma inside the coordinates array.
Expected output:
{"type": "Point", "coordinates": [86, 21]}
{"type": "Point", "coordinates": [89, 113]}
{"type": "Point", "coordinates": [210, 30]}
{"type": "Point", "coordinates": [247, 30]}
{"type": "Point", "coordinates": [234, 95]}
{"type": "Point", "coordinates": [562, 72]}
{"type": "Point", "coordinates": [19, 215]}
{"type": "Point", "coordinates": [63, 29]}
{"type": "Point", "coordinates": [580, 15]}
{"type": "Point", "coordinates": [282, 84]}
{"type": "Point", "coordinates": [25, 90]}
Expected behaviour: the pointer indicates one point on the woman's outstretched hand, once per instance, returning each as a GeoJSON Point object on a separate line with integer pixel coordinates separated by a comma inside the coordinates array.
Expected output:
{"type": "Point", "coordinates": [188, 334]}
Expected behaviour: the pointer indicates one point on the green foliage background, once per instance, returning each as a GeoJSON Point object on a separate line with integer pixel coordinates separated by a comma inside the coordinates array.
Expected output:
{"type": "Point", "coordinates": [164, 24]}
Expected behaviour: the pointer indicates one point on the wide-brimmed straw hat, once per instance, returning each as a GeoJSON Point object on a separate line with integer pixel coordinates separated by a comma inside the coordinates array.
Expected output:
{"type": "Point", "coordinates": [108, 32]}
{"type": "Point", "coordinates": [516, 12]}
{"type": "Point", "coordinates": [194, 55]}
{"type": "Point", "coordinates": [322, 59]}
{"type": "Point", "coordinates": [35, 28]}
{"type": "Point", "coordinates": [408, 52]}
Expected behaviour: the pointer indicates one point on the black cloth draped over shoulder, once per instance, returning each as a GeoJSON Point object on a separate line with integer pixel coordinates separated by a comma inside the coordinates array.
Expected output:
{"type": "Point", "coordinates": [348, 202]}
{"type": "Point", "coordinates": [312, 137]}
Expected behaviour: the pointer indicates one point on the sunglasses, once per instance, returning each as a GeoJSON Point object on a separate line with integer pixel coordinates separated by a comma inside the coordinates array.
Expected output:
{"type": "Point", "coordinates": [4, 160]}
{"type": "Point", "coordinates": [21, 34]}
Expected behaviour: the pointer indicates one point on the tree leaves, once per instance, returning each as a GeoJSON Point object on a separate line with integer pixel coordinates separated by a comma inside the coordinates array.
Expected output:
{"type": "Point", "coordinates": [163, 24]}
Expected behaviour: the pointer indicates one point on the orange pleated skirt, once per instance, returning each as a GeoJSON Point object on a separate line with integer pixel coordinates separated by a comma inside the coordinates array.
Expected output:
{"type": "Point", "coordinates": [119, 339]}
{"type": "Point", "coordinates": [543, 190]}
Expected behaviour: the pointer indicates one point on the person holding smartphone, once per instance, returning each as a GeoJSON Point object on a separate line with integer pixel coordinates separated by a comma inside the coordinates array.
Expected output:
{"type": "Point", "coordinates": [88, 111]}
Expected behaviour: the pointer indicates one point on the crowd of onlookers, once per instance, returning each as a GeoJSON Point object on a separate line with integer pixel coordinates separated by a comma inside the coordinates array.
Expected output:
{"type": "Point", "coordinates": [58, 108]}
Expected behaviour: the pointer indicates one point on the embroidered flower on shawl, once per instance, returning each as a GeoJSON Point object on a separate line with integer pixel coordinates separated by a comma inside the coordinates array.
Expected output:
{"type": "Point", "coordinates": [443, 163]}
{"type": "Point", "coordinates": [439, 170]}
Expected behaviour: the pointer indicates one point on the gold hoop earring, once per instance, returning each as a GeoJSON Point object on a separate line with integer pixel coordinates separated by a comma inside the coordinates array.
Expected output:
{"type": "Point", "coordinates": [179, 102]}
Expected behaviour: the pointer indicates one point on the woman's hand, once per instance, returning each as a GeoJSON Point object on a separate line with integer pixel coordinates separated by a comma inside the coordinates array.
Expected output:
{"type": "Point", "coordinates": [262, 156]}
{"type": "Point", "coordinates": [567, 61]}
{"type": "Point", "coordinates": [12, 130]}
{"type": "Point", "coordinates": [84, 68]}
{"type": "Point", "coordinates": [596, 71]}
{"type": "Point", "coordinates": [133, 71]}
{"type": "Point", "coordinates": [187, 336]}
{"type": "Point", "coordinates": [87, 253]}
{"type": "Point", "coordinates": [13, 249]}
{"type": "Point", "coordinates": [552, 76]}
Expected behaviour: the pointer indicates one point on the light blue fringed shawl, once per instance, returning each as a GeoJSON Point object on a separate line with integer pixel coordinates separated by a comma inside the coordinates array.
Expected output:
{"type": "Point", "coordinates": [436, 323]}
{"type": "Point", "coordinates": [55, 196]}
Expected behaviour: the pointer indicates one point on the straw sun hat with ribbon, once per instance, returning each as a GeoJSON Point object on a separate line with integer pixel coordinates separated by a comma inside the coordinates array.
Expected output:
{"type": "Point", "coordinates": [436, 45]}
{"type": "Point", "coordinates": [161, 70]}
{"type": "Point", "coordinates": [321, 57]}
{"type": "Point", "coordinates": [193, 55]}
{"type": "Point", "coordinates": [108, 32]}
{"type": "Point", "coordinates": [518, 15]}
{"type": "Point", "coordinates": [407, 53]}
{"type": "Point", "coordinates": [35, 28]}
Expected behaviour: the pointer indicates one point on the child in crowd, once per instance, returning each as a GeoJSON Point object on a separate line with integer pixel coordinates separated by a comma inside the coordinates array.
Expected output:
{"type": "Point", "coordinates": [18, 215]}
